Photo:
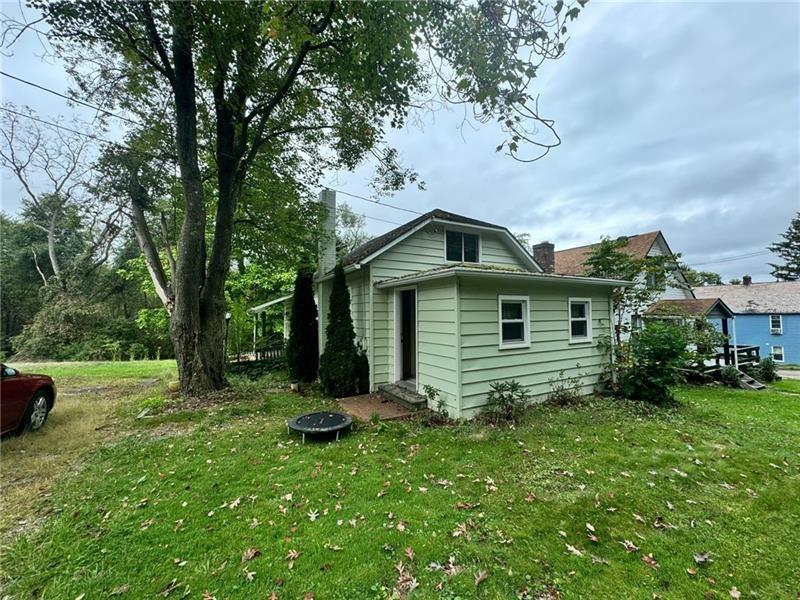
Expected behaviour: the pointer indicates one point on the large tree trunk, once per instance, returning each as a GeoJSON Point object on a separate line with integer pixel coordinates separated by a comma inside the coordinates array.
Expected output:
{"type": "Point", "coordinates": [196, 328]}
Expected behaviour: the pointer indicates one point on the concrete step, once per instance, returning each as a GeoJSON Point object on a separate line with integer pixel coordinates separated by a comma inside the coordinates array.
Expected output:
{"type": "Point", "coordinates": [404, 396]}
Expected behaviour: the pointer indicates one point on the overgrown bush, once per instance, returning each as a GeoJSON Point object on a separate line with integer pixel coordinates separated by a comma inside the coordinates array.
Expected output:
{"type": "Point", "coordinates": [650, 364]}
{"type": "Point", "coordinates": [565, 391]}
{"type": "Point", "coordinates": [507, 401]}
{"type": "Point", "coordinates": [341, 370]}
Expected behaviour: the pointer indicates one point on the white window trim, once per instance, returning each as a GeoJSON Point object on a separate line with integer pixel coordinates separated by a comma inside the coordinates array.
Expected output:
{"type": "Point", "coordinates": [588, 319]}
{"type": "Point", "coordinates": [462, 232]}
{"type": "Point", "coordinates": [779, 329]}
{"type": "Point", "coordinates": [526, 322]}
{"type": "Point", "coordinates": [783, 354]}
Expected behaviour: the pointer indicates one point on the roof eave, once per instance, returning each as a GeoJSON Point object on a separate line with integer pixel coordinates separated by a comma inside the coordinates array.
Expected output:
{"type": "Point", "coordinates": [459, 271]}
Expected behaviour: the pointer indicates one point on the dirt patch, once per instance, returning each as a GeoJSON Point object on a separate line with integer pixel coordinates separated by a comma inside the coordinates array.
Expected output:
{"type": "Point", "coordinates": [364, 406]}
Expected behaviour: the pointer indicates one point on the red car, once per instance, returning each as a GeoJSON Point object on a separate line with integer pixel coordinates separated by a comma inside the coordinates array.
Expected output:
{"type": "Point", "coordinates": [25, 400]}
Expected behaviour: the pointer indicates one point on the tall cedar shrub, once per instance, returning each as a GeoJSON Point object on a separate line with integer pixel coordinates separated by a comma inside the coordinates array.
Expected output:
{"type": "Point", "coordinates": [302, 351]}
{"type": "Point", "coordinates": [339, 363]}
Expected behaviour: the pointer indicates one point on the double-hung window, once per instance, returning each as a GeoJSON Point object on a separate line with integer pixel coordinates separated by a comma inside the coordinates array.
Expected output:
{"type": "Point", "coordinates": [513, 315]}
{"type": "Point", "coordinates": [580, 320]}
{"type": "Point", "coordinates": [777, 353]}
{"type": "Point", "coordinates": [461, 247]}
{"type": "Point", "coordinates": [776, 324]}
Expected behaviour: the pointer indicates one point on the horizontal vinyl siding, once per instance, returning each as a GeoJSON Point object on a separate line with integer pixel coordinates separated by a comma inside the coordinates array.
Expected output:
{"type": "Point", "coordinates": [550, 351]}
{"type": "Point", "coordinates": [383, 349]}
{"type": "Point", "coordinates": [437, 350]}
{"type": "Point", "coordinates": [424, 250]}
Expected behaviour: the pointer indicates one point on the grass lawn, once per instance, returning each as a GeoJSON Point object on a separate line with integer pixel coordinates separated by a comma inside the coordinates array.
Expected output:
{"type": "Point", "coordinates": [219, 500]}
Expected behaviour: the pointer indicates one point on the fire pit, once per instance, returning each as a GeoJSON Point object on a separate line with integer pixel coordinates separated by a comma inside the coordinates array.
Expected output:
{"type": "Point", "coordinates": [319, 423]}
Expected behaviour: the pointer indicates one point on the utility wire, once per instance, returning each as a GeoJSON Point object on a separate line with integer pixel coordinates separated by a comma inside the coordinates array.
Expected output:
{"type": "Point", "coordinates": [57, 126]}
{"type": "Point", "coordinates": [70, 98]}
{"type": "Point", "coordinates": [732, 258]}
{"type": "Point", "coordinates": [408, 210]}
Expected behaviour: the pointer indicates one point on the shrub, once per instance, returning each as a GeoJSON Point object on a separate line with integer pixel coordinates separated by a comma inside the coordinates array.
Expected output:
{"type": "Point", "coordinates": [730, 376]}
{"type": "Point", "coordinates": [507, 401]}
{"type": "Point", "coordinates": [302, 351]}
{"type": "Point", "coordinates": [564, 390]}
{"type": "Point", "coordinates": [766, 371]}
{"type": "Point", "coordinates": [439, 415]}
{"type": "Point", "coordinates": [339, 363]}
{"type": "Point", "coordinates": [650, 364]}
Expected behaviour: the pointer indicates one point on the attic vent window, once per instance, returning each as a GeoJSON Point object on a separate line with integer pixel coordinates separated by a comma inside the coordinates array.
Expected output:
{"type": "Point", "coordinates": [776, 324]}
{"type": "Point", "coordinates": [461, 247]}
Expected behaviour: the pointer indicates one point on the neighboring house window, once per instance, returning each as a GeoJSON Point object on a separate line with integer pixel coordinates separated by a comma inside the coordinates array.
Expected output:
{"type": "Point", "coordinates": [776, 324]}
{"type": "Point", "coordinates": [580, 320]}
{"type": "Point", "coordinates": [637, 323]}
{"type": "Point", "coordinates": [777, 353]}
{"type": "Point", "coordinates": [513, 321]}
{"type": "Point", "coordinates": [656, 281]}
{"type": "Point", "coordinates": [461, 247]}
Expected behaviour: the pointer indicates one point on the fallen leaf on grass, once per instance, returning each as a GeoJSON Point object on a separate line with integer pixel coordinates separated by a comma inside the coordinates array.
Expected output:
{"type": "Point", "coordinates": [691, 571]}
{"type": "Point", "coordinates": [250, 554]}
{"type": "Point", "coordinates": [629, 546]}
{"type": "Point", "coordinates": [702, 559]}
{"type": "Point", "coordinates": [480, 577]}
{"type": "Point", "coordinates": [650, 561]}
{"type": "Point", "coordinates": [599, 560]}
{"type": "Point", "coordinates": [573, 550]}
{"type": "Point", "coordinates": [120, 589]}
{"type": "Point", "coordinates": [735, 593]}
{"type": "Point", "coordinates": [169, 588]}
{"type": "Point", "coordinates": [409, 552]}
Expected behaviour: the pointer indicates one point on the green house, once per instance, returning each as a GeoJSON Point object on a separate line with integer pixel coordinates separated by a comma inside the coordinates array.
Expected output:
{"type": "Point", "coordinates": [456, 303]}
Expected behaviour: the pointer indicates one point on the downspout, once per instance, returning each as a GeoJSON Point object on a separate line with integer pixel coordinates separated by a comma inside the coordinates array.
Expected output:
{"type": "Point", "coordinates": [735, 349]}
{"type": "Point", "coordinates": [611, 335]}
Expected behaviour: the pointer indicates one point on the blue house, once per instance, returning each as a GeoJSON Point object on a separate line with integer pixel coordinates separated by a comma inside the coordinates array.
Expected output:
{"type": "Point", "coordinates": [767, 315]}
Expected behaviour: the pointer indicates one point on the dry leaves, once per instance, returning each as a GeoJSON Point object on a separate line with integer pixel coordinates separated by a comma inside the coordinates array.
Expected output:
{"type": "Point", "coordinates": [480, 577]}
{"type": "Point", "coordinates": [650, 561]}
{"type": "Point", "coordinates": [250, 554]}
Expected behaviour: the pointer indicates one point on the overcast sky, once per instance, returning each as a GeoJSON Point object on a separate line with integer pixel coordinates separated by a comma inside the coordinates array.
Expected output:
{"type": "Point", "coordinates": [683, 117]}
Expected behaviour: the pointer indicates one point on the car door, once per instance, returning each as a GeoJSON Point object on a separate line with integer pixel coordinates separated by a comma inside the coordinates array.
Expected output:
{"type": "Point", "coordinates": [13, 398]}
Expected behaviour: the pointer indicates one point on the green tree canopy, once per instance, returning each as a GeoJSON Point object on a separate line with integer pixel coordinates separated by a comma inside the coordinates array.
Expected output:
{"type": "Point", "coordinates": [789, 251]}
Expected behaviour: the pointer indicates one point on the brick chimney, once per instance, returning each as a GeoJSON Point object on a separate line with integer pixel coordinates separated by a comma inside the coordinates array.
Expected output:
{"type": "Point", "coordinates": [545, 256]}
{"type": "Point", "coordinates": [327, 242]}
{"type": "Point", "coordinates": [747, 280]}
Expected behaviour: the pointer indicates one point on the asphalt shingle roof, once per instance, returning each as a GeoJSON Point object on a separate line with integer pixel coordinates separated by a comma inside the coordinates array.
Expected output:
{"type": "Point", "coordinates": [571, 261]}
{"type": "Point", "coordinates": [777, 297]}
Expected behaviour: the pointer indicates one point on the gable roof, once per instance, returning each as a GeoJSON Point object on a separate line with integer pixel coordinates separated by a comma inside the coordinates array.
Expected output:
{"type": "Point", "coordinates": [374, 246]}
{"type": "Point", "coordinates": [695, 307]}
{"type": "Point", "coordinates": [777, 297]}
{"type": "Point", "coordinates": [571, 261]}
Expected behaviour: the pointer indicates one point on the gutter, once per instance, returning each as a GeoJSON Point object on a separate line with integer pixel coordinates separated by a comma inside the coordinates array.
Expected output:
{"type": "Point", "coordinates": [389, 283]}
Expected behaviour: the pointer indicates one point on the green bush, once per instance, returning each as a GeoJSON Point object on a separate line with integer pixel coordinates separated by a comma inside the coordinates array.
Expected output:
{"type": "Point", "coordinates": [565, 391]}
{"type": "Point", "coordinates": [650, 364]}
{"type": "Point", "coordinates": [766, 371]}
{"type": "Point", "coordinates": [507, 401]}
{"type": "Point", "coordinates": [302, 350]}
{"type": "Point", "coordinates": [730, 376]}
{"type": "Point", "coordinates": [341, 370]}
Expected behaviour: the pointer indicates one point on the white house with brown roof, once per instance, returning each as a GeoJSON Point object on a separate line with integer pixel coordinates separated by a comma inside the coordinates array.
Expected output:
{"type": "Point", "coordinates": [572, 262]}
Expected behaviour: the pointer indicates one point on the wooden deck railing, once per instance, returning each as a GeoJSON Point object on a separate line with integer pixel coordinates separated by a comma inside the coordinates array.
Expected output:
{"type": "Point", "coordinates": [747, 354]}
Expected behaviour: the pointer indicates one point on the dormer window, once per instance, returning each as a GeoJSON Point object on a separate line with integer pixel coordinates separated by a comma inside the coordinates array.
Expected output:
{"type": "Point", "coordinates": [461, 247]}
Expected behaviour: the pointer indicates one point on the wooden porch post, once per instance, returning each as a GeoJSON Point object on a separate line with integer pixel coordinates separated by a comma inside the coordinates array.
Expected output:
{"type": "Point", "coordinates": [255, 327]}
{"type": "Point", "coordinates": [726, 348]}
{"type": "Point", "coordinates": [735, 347]}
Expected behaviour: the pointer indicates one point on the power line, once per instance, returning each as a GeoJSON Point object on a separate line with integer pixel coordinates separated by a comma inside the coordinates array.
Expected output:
{"type": "Point", "coordinates": [408, 210]}
{"type": "Point", "coordinates": [70, 98]}
{"type": "Point", "coordinates": [57, 126]}
{"type": "Point", "coordinates": [732, 258]}
{"type": "Point", "coordinates": [366, 216]}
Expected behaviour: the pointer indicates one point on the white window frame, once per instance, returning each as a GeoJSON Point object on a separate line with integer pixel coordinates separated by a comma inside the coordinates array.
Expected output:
{"type": "Point", "coordinates": [526, 322]}
{"type": "Point", "coordinates": [776, 330]}
{"type": "Point", "coordinates": [588, 319]}
{"type": "Point", "coordinates": [462, 232]}
{"type": "Point", "coordinates": [783, 354]}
